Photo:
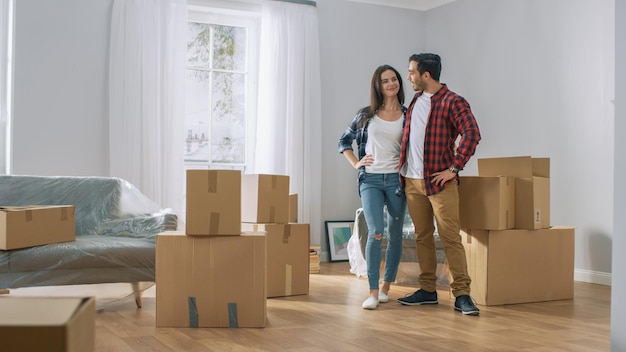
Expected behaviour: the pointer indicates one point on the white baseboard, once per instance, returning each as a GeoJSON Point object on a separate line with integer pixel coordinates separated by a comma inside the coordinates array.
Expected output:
{"type": "Point", "coordinates": [593, 277]}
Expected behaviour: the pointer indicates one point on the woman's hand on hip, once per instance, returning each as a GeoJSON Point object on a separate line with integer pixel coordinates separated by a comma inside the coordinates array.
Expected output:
{"type": "Point", "coordinates": [367, 160]}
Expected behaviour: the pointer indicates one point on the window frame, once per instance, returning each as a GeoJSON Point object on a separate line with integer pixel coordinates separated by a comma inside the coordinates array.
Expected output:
{"type": "Point", "coordinates": [250, 19]}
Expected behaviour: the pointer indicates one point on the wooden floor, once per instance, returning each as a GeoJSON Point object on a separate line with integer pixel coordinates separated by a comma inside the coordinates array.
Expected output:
{"type": "Point", "coordinates": [330, 318]}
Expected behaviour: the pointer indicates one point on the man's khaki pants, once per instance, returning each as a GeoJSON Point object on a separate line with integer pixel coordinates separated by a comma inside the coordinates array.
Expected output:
{"type": "Point", "coordinates": [444, 206]}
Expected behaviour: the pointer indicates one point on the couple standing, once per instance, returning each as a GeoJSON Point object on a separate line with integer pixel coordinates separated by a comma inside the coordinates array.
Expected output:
{"type": "Point", "coordinates": [409, 157]}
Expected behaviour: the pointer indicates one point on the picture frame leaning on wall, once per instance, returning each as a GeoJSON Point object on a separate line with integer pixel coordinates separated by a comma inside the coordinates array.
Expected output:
{"type": "Point", "coordinates": [338, 234]}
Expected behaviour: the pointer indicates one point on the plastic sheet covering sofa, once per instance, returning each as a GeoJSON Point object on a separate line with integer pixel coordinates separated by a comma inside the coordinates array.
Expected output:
{"type": "Point", "coordinates": [409, 269]}
{"type": "Point", "coordinates": [116, 227]}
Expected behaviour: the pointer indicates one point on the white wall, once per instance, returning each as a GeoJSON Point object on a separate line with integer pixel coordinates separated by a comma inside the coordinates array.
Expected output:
{"type": "Point", "coordinates": [618, 287]}
{"type": "Point", "coordinates": [60, 81]}
{"type": "Point", "coordinates": [355, 38]}
{"type": "Point", "coordinates": [540, 78]}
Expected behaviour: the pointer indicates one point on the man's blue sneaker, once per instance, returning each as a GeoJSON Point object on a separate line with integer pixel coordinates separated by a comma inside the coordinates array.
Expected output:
{"type": "Point", "coordinates": [465, 305]}
{"type": "Point", "coordinates": [419, 297]}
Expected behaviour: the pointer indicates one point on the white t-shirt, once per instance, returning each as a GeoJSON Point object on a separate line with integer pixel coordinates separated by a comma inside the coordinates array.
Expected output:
{"type": "Point", "coordinates": [384, 141]}
{"type": "Point", "coordinates": [414, 166]}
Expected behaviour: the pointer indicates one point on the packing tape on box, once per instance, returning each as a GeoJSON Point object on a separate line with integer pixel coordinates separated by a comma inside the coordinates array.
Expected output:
{"type": "Point", "coordinates": [214, 223]}
{"type": "Point", "coordinates": [274, 182]}
{"type": "Point", "coordinates": [272, 213]}
{"type": "Point", "coordinates": [29, 215]}
{"type": "Point", "coordinates": [288, 277]}
{"type": "Point", "coordinates": [212, 182]}
{"type": "Point", "coordinates": [286, 233]}
{"type": "Point", "coordinates": [64, 212]}
{"type": "Point", "coordinates": [193, 312]}
{"type": "Point", "coordinates": [232, 315]}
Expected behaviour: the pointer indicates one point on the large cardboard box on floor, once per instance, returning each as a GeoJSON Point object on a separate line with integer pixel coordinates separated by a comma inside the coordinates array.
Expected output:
{"type": "Point", "coordinates": [265, 198]}
{"type": "Point", "coordinates": [34, 225]}
{"type": "Point", "coordinates": [532, 187]}
{"type": "Point", "coordinates": [210, 281]}
{"type": "Point", "coordinates": [487, 203]}
{"type": "Point", "coordinates": [51, 324]}
{"type": "Point", "coordinates": [287, 257]}
{"type": "Point", "coordinates": [213, 202]}
{"type": "Point", "coordinates": [520, 266]}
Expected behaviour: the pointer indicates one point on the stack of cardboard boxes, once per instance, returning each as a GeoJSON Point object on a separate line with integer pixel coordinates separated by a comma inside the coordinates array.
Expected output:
{"type": "Point", "coordinates": [237, 250]}
{"type": "Point", "coordinates": [513, 254]}
{"type": "Point", "coordinates": [266, 207]}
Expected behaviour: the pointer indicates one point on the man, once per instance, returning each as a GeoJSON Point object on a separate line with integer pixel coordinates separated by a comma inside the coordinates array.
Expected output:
{"type": "Point", "coordinates": [430, 163]}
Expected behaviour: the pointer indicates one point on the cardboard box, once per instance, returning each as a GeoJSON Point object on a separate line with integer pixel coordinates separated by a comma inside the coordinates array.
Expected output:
{"type": "Point", "coordinates": [520, 266]}
{"type": "Point", "coordinates": [532, 203]}
{"type": "Point", "coordinates": [518, 166]}
{"type": "Point", "coordinates": [314, 259]}
{"type": "Point", "coordinates": [51, 324]}
{"type": "Point", "coordinates": [210, 281]}
{"type": "Point", "coordinates": [213, 202]}
{"type": "Point", "coordinates": [287, 257]}
{"type": "Point", "coordinates": [265, 198]}
{"type": "Point", "coordinates": [532, 194]}
{"type": "Point", "coordinates": [293, 208]}
{"type": "Point", "coordinates": [28, 226]}
{"type": "Point", "coordinates": [487, 203]}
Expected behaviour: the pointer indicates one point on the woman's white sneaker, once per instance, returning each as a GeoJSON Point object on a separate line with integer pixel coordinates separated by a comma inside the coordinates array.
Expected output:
{"type": "Point", "coordinates": [382, 297]}
{"type": "Point", "coordinates": [370, 303]}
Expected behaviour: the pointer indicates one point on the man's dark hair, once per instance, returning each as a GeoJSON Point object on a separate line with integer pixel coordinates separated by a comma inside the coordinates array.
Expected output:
{"type": "Point", "coordinates": [428, 62]}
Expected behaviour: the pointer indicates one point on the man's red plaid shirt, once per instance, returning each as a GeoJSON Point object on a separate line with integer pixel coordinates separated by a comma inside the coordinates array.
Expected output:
{"type": "Point", "coordinates": [450, 116]}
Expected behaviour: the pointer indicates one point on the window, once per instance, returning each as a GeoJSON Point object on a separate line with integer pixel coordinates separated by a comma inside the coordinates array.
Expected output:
{"type": "Point", "coordinates": [221, 78]}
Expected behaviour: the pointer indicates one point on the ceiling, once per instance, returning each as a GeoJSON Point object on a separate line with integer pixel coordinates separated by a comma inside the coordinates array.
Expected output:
{"type": "Point", "coordinates": [421, 5]}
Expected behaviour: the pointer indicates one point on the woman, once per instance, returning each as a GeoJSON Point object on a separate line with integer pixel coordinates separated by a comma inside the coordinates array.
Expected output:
{"type": "Point", "coordinates": [377, 129]}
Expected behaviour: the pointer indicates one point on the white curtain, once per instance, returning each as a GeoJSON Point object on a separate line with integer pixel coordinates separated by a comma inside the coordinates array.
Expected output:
{"type": "Point", "coordinates": [289, 111]}
{"type": "Point", "coordinates": [146, 97]}
{"type": "Point", "coordinates": [6, 15]}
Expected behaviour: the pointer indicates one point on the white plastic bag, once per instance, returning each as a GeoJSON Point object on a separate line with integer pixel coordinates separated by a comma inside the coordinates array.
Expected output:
{"type": "Point", "coordinates": [358, 265]}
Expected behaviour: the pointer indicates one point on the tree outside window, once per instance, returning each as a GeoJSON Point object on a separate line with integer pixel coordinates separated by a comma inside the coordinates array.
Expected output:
{"type": "Point", "coordinates": [216, 99]}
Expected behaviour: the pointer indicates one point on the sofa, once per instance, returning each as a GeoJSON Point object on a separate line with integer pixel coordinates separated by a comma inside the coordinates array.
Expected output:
{"type": "Point", "coordinates": [116, 227]}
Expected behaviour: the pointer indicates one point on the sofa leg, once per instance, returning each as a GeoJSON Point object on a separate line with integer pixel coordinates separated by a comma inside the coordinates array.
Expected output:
{"type": "Point", "coordinates": [137, 293]}
{"type": "Point", "coordinates": [4, 291]}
